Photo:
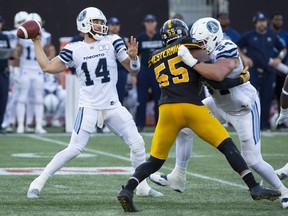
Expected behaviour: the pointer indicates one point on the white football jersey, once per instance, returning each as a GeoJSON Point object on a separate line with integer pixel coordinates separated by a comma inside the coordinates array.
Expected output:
{"type": "Point", "coordinates": [235, 100]}
{"type": "Point", "coordinates": [51, 82]}
{"type": "Point", "coordinates": [96, 68]}
{"type": "Point", "coordinates": [13, 39]}
{"type": "Point", "coordinates": [28, 57]}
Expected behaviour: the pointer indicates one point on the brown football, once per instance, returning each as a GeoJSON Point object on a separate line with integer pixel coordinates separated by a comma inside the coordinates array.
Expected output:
{"type": "Point", "coordinates": [29, 29]}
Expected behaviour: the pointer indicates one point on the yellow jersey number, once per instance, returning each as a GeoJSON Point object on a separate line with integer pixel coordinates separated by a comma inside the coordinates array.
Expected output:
{"type": "Point", "coordinates": [180, 73]}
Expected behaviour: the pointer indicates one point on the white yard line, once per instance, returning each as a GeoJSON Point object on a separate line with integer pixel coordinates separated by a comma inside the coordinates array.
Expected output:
{"type": "Point", "coordinates": [128, 159]}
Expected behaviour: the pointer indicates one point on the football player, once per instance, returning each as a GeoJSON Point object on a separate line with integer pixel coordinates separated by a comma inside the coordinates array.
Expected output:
{"type": "Point", "coordinates": [31, 77]}
{"type": "Point", "coordinates": [238, 106]}
{"type": "Point", "coordinates": [10, 113]}
{"type": "Point", "coordinates": [181, 107]}
{"type": "Point", "coordinates": [283, 172]}
{"type": "Point", "coordinates": [94, 61]}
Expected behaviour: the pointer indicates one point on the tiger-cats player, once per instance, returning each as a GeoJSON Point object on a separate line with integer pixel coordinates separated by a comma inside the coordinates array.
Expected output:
{"type": "Point", "coordinates": [180, 107]}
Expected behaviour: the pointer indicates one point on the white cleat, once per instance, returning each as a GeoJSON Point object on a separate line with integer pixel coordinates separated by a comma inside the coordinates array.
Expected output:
{"type": "Point", "coordinates": [56, 123]}
{"type": "Point", "coordinates": [283, 172]}
{"type": "Point", "coordinates": [33, 193]}
{"type": "Point", "coordinates": [151, 193]}
{"type": "Point", "coordinates": [40, 130]}
{"type": "Point", "coordinates": [29, 129]}
{"type": "Point", "coordinates": [284, 199]}
{"type": "Point", "coordinates": [175, 184]}
{"type": "Point", "coordinates": [20, 129]}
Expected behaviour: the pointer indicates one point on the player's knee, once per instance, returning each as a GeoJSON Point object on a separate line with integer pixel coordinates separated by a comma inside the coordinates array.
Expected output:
{"type": "Point", "coordinates": [138, 146]}
{"type": "Point", "coordinates": [228, 147]}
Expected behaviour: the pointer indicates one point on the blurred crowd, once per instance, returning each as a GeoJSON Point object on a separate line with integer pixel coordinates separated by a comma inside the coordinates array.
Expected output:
{"type": "Point", "coordinates": [31, 100]}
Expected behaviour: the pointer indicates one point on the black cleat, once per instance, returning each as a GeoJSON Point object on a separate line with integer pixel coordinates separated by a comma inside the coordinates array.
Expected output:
{"type": "Point", "coordinates": [125, 198]}
{"type": "Point", "coordinates": [258, 193]}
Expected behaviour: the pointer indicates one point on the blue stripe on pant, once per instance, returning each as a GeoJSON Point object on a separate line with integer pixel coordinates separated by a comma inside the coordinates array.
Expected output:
{"type": "Point", "coordinates": [255, 123]}
{"type": "Point", "coordinates": [78, 120]}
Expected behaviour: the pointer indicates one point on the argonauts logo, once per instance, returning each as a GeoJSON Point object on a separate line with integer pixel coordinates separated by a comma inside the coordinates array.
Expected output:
{"type": "Point", "coordinates": [212, 26]}
{"type": "Point", "coordinates": [82, 15]}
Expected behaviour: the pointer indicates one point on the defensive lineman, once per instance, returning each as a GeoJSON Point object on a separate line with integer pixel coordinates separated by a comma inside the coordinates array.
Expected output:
{"type": "Point", "coordinates": [181, 107]}
{"type": "Point", "coordinates": [238, 105]}
{"type": "Point", "coordinates": [94, 60]}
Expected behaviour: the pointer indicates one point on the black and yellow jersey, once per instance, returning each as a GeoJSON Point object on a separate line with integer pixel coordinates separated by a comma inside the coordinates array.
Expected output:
{"type": "Point", "coordinates": [179, 83]}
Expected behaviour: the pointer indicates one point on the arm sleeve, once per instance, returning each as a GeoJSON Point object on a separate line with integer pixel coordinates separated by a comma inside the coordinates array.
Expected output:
{"type": "Point", "coordinates": [66, 56]}
{"type": "Point", "coordinates": [226, 83]}
{"type": "Point", "coordinates": [119, 47]}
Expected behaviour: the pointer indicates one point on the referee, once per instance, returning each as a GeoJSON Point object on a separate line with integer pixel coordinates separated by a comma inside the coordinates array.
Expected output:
{"type": "Point", "coordinates": [4, 72]}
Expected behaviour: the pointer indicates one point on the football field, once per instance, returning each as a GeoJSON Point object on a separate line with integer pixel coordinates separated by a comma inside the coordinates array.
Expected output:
{"type": "Point", "coordinates": [89, 184]}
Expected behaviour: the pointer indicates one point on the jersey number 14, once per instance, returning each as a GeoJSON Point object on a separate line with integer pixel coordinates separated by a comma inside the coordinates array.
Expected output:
{"type": "Point", "coordinates": [100, 71]}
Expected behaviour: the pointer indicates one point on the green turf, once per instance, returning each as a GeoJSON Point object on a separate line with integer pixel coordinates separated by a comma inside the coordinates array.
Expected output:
{"type": "Point", "coordinates": [96, 194]}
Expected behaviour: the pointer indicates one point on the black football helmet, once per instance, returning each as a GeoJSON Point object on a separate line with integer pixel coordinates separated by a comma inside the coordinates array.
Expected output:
{"type": "Point", "coordinates": [172, 30]}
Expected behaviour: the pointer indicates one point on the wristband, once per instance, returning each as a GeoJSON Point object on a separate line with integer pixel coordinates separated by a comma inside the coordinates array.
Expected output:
{"type": "Point", "coordinates": [135, 64]}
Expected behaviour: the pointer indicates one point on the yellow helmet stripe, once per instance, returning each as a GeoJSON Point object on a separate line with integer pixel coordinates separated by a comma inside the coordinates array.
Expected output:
{"type": "Point", "coordinates": [169, 24]}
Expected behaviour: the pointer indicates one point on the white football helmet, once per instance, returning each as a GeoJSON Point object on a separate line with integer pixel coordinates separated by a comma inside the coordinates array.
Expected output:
{"type": "Point", "coordinates": [85, 22]}
{"type": "Point", "coordinates": [19, 18]}
{"type": "Point", "coordinates": [35, 16]}
{"type": "Point", "coordinates": [207, 32]}
{"type": "Point", "coordinates": [51, 103]}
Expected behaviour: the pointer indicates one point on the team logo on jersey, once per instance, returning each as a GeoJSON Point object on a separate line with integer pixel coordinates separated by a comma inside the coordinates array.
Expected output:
{"type": "Point", "coordinates": [212, 27]}
{"type": "Point", "coordinates": [82, 15]}
{"type": "Point", "coordinates": [103, 47]}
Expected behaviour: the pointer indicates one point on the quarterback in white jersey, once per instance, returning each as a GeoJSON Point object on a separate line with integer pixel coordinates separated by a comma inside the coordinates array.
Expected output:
{"type": "Point", "coordinates": [94, 60]}
{"type": "Point", "coordinates": [238, 105]}
{"type": "Point", "coordinates": [32, 80]}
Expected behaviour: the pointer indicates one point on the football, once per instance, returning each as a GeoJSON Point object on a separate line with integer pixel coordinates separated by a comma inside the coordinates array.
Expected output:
{"type": "Point", "coordinates": [29, 29]}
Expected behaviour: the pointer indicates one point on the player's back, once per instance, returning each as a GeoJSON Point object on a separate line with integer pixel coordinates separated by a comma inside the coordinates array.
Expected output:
{"type": "Point", "coordinates": [179, 83]}
{"type": "Point", "coordinates": [238, 98]}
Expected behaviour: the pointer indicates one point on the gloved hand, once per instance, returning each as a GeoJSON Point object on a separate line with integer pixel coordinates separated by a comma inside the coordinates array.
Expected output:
{"type": "Point", "coordinates": [282, 117]}
{"type": "Point", "coordinates": [185, 55]}
{"type": "Point", "coordinates": [245, 75]}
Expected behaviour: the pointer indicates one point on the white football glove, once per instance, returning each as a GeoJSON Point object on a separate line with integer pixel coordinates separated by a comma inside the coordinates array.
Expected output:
{"type": "Point", "coordinates": [185, 55]}
{"type": "Point", "coordinates": [282, 117]}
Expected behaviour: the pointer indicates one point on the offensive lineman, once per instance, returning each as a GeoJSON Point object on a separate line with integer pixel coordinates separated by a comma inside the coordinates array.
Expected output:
{"type": "Point", "coordinates": [181, 107]}
{"type": "Point", "coordinates": [94, 60]}
{"type": "Point", "coordinates": [238, 106]}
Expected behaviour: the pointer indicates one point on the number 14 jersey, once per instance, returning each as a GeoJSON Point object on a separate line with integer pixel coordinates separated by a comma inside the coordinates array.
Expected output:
{"type": "Point", "coordinates": [96, 68]}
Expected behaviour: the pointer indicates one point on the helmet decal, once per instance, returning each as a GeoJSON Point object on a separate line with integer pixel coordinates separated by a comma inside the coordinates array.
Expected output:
{"type": "Point", "coordinates": [82, 15]}
{"type": "Point", "coordinates": [212, 27]}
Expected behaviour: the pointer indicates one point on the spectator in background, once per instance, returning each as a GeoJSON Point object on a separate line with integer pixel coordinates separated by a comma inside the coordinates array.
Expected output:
{"type": "Point", "coordinates": [259, 45]}
{"type": "Point", "coordinates": [228, 32]}
{"type": "Point", "coordinates": [4, 72]}
{"type": "Point", "coordinates": [277, 27]}
{"type": "Point", "coordinates": [149, 41]}
{"type": "Point", "coordinates": [114, 28]}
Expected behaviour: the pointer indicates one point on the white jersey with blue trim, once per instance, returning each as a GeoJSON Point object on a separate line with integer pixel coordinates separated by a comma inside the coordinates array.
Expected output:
{"type": "Point", "coordinates": [96, 68]}
{"type": "Point", "coordinates": [28, 58]}
{"type": "Point", "coordinates": [236, 100]}
{"type": "Point", "coordinates": [51, 82]}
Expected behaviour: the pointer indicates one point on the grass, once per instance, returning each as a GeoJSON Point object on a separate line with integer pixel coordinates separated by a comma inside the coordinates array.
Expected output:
{"type": "Point", "coordinates": [96, 194]}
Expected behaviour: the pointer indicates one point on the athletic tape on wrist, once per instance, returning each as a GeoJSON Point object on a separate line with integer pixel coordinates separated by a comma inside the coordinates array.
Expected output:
{"type": "Point", "coordinates": [135, 64]}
